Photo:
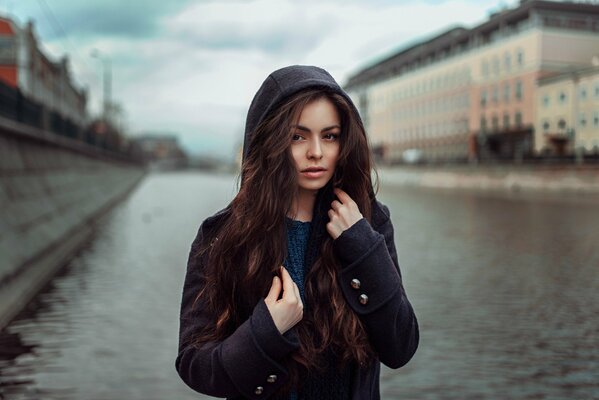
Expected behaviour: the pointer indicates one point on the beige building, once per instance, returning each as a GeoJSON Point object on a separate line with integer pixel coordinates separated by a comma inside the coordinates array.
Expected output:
{"type": "Point", "coordinates": [567, 116]}
{"type": "Point", "coordinates": [472, 93]}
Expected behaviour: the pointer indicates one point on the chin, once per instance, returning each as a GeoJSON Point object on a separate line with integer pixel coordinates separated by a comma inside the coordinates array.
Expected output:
{"type": "Point", "coordinates": [314, 185]}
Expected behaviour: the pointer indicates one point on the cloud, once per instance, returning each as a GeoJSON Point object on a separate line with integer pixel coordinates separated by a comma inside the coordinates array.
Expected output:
{"type": "Point", "coordinates": [274, 27]}
{"type": "Point", "coordinates": [134, 18]}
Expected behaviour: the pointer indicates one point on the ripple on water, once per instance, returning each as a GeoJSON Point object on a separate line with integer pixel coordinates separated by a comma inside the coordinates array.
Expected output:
{"type": "Point", "coordinates": [505, 290]}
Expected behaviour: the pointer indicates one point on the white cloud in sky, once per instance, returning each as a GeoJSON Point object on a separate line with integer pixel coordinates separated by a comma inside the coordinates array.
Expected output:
{"type": "Point", "coordinates": [196, 72]}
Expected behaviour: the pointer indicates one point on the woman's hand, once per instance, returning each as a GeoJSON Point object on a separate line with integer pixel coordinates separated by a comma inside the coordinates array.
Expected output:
{"type": "Point", "coordinates": [289, 310]}
{"type": "Point", "coordinates": [343, 214]}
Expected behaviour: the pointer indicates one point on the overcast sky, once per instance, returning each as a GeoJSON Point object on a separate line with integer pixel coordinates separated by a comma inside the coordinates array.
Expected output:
{"type": "Point", "coordinates": [192, 67]}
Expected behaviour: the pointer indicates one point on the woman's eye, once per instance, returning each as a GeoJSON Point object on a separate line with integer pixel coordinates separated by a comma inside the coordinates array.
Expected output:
{"type": "Point", "coordinates": [296, 137]}
{"type": "Point", "coordinates": [331, 136]}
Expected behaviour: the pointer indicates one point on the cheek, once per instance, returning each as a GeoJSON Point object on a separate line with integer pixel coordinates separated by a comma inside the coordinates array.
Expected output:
{"type": "Point", "coordinates": [334, 153]}
{"type": "Point", "coordinates": [295, 154]}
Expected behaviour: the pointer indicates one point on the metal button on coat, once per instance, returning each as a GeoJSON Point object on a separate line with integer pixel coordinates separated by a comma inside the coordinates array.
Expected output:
{"type": "Point", "coordinates": [259, 390]}
{"type": "Point", "coordinates": [355, 283]}
{"type": "Point", "coordinates": [271, 378]}
{"type": "Point", "coordinates": [363, 299]}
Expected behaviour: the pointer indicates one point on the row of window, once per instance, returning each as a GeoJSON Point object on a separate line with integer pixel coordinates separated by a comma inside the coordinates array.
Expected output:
{"type": "Point", "coordinates": [509, 60]}
{"type": "Point", "coordinates": [431, 130]}
{"type": "Point", "coordinates": [582, 122]}
{"type": "Point", "coordinates": [506, 123]}
{"type": "Point", "coordinates": [449, 80]}
{"type": "Point", "coordinates": [505, 95]}
{"type": "Point", "coordinates": [577, 22]}
{"type": "Point", "coordinates": [583, 95]}
{"type": "Point", "coordinates": [498, 65]}
{"type": "Point", "coordinates": [439, 105]}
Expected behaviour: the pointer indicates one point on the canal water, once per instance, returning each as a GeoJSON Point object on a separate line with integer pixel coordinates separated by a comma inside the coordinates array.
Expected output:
{"type": "Point", "coordinates": [505, 287]}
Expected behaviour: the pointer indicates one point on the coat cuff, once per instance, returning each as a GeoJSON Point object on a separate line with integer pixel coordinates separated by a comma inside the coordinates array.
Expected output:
{"type": "Point", "coordinates": [355, 241]}
{"type": "Point", "coordinates": [268, 336]}
{"type": "Point", "coordinates": [251, 355]}
{"type": "Point", "coordinates": [368, 278]}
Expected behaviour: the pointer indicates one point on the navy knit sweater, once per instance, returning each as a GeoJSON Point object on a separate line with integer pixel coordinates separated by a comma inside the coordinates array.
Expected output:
{"type": "Point", "coordinates": [334, 383]}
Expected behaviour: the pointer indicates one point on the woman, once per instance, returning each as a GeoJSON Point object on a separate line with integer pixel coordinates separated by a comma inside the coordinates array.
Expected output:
{"type": "Point", "coordinates": [318, 326]}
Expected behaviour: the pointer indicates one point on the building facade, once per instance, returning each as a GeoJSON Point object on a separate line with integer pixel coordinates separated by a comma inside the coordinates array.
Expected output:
{"type": "Point", "coordinates": [160, 151]}
{"type": "Point", "coordinates": [24, 66]}
{"type": "Point", "coordinates": [567, 114]}
{"type": "Point", "coordinates": [472, 93]}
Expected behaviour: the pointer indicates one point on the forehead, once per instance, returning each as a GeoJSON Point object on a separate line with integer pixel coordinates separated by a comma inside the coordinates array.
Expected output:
{"type": "Point", "coordinates": [321, 111]}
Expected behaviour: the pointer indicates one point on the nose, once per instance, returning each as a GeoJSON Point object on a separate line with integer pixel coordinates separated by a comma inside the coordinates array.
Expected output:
{"type": "Point", "coordinates": [315, 149]}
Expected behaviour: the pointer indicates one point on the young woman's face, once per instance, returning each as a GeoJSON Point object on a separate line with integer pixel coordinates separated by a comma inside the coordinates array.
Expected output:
{"type": "Point", "coordinates": [315, 144]}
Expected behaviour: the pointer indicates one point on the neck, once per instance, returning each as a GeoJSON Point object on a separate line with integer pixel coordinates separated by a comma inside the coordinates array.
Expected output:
{"type": "Point", "coordinates": [303, 205]}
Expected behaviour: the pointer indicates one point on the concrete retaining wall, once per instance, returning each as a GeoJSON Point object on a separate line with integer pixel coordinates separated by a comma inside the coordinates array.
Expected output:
{"type": "Point", "coordinates": [52, 190]}
{"type": "Point", "coordinates": [556, 179]}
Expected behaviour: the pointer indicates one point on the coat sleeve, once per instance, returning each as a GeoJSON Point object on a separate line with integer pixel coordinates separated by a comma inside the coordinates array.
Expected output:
{"type": "Point", "coordinates": [372, 285]}
{"type": "Point", "coordinates": [247, 363]}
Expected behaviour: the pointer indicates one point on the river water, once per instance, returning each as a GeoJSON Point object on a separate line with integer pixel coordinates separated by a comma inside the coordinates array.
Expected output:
{"type": "Point", "coordinates": [505, 287]}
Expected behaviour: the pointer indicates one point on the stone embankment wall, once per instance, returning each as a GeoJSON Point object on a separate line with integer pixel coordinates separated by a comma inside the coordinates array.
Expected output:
{"type": "Point", "coordinates": [557, 179]}
{"type": "Point", "coordinates": [52, 190]}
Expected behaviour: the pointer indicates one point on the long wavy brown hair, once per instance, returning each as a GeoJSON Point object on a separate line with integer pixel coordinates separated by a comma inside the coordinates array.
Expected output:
{"type": "Point", "coordinates": [252, 241]}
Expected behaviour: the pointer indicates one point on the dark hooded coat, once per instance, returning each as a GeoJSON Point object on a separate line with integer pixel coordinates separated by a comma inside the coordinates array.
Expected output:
{"type": "Point", "coordinates": [248, 363]}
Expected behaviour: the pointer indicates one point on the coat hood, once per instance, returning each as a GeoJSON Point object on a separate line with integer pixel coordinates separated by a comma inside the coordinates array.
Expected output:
{"type": "Point", "coordinates": [281, 84]}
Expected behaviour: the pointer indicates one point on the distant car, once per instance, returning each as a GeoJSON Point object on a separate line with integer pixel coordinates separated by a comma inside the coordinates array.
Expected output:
{"type": "Point", "coordinates": [412, 156]}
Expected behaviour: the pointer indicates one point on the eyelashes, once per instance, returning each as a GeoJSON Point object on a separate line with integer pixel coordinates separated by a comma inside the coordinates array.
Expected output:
{"type": "Point", "coordinates": [328, 136]}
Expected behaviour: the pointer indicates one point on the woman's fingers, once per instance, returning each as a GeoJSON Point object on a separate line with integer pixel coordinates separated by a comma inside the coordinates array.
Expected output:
{"type": "Point", "coordinates": [297, 294]}
{"type": "Point", "coordinates": [344, 197]}
{"type": "Point", "coordinates": [336, 205]}
{"type": "Point", "coordinates": [334, 230]}
{"type": "Point", "coordinates": [343, 213]}
{"type": "Point", "coordinates": [288, 292]}
{"type": "Point", "coordinates": [288, 311]}
{"type": "Point", "coordinates": [275, 289]}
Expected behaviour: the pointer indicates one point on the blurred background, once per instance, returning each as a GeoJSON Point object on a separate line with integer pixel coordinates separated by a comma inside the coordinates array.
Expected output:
{"type": "Point", "coordinates": [121, 127]}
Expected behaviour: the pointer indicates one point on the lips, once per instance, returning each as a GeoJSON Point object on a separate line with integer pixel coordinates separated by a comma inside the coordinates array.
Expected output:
{"type": "Point", "coordinates": [314, 169]}
{"type": "Point", "coordinates": [314, 172]}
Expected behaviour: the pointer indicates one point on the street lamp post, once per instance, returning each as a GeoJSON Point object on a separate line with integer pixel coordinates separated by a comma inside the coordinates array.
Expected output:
{"type": "Point", "coordinates": [107, 80]}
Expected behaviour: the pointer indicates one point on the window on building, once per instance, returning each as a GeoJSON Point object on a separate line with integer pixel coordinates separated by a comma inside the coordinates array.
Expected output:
{"type": "Point", "coordinates": [495, 123]}
{"type": "Point", "coordinates": [506, 92]}
{"type": "Point", "coordinates": [518, 90]}
{"type": "Point", "coordinates": [546, 126]}
{"type": "Point", "coordinates": [546, 100]}
{"type": "Point", "coordinates": [597, 91]}
{"type": "Point", "coordinates": [483, 98]}
{"type": "Point", "coordinates": [507, 61]}
{"type": "Point", "coordinates": [496, 65]}
{"type": "Point", "coordinates": [561, 124]}
{"type": "Point", "coordinates": [562, 97]}
{"type": "Point", "coordinates": [495, 94]}
{"type": "Point", "coordinates": [518, 119]}
{"type": "Point", "coordinates": [484, 68]}
{"type": "Point", "coordinates": [596, 119]}
{"type": "Point", "coordinates": [520, 57]}
{"type": "Point", "coordinates": [583, 93]}
{"type": "Point", "coordinates": [506, 121]}
{"type": "Point", "coordinates": [582, 120]}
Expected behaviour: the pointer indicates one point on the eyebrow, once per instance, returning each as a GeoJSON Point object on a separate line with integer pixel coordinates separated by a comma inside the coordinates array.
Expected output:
{"type": "Point", "coordinates": [303, 128]}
